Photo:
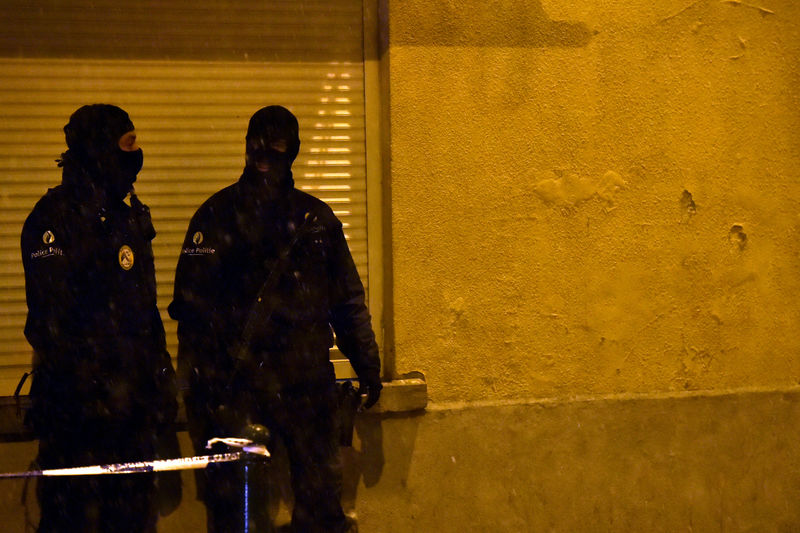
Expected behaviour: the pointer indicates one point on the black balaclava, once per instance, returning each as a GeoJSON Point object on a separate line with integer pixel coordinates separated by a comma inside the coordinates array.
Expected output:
{"type": "Point", "coordinates": [92, 136]}
{"type": "Point", "coordinates": [268, 125]}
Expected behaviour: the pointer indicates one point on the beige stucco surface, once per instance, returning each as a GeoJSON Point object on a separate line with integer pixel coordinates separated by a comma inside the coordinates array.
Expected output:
{"type": "Point", "coordinates": [594, 197]}
{"type": "Point", "coordinates": [593, 213]}
{"type": "Point", "coordinates": [652, 465]}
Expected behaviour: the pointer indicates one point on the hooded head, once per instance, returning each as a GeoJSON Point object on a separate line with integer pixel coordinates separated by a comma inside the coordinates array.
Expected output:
{"type": "Point", "coordinates": [93, 139]}
{"type": "Point", "coordinates": [273, 141]}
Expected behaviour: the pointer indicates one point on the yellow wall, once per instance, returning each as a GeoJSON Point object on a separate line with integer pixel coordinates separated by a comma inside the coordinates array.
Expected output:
{"type": "Point", "coordinates": [542, 245]}
{"type": "Point", "coordinates": [595, 197]}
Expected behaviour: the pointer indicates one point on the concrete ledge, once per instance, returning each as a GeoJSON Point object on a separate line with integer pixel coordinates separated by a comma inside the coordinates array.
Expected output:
{"type": "Point", "coordinates": [402, 395]}
{"type": "Point", "coordinates": [699, 462]}
{"type": "Point", "coordinates": [398, 396]}
{"type": "Point", "coordinates": [12, 412]}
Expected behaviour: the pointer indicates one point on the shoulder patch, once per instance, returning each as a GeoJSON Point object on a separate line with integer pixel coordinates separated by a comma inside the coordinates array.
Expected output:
{"type": "Point", "coordinates": [197, 240]}
{"type": "Point", "coordinates": [48, 250]}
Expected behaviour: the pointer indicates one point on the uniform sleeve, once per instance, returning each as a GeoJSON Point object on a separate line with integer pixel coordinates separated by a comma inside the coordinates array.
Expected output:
{"type": "Point", "coordinates": [48, 261]}
{"type": "Point", "coordinates": [193, 304]}
{"type": "Point", "coordinates": [198, 267]}
{"type": "Point", "coordinates": [349, 315]}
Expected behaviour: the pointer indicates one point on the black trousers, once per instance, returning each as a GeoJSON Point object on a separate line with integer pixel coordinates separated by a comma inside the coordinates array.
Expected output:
{"type": "Point", "coordinates": [112, 503]}
{"type": "Point", "coordinates": [303, 418]}
{"type": "Point", "coordinates": [96, 504]}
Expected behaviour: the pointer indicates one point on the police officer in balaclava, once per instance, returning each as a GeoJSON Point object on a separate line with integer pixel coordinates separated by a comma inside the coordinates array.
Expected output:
{"type": "Point", "coordinates": [103, 386]}
{"type": "Point", "coordinates": [265, 278]}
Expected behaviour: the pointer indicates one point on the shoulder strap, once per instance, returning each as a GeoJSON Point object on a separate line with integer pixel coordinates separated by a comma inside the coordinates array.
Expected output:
{"type": "Point", "coordinates": [262, 308]}
{"type": "Point", "coordinates": [142, 214]}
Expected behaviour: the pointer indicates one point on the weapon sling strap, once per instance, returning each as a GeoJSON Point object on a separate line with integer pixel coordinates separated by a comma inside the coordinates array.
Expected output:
{"type": "Point", "coordinates": [263, 306]}
{"type": "Point", "coordinates": [18, 390]}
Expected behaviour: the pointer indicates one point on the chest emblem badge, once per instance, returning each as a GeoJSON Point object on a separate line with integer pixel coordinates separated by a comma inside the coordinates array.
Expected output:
{"type": "Point", "coordinates": [48, 237]}
{"type": "Point", "coordinates": [125, 256]}
{"type": "Point", "coordinates": [197, 238]}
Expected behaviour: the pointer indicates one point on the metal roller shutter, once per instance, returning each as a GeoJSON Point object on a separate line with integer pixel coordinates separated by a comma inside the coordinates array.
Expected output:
{"type": "Point", "coordinates": [190, 101]}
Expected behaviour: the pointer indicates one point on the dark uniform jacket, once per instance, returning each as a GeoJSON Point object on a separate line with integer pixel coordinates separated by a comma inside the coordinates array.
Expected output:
{"type": "Point", "coordinates": [232, 245]}
{"type": "Point", "coordinates": [100, 351]}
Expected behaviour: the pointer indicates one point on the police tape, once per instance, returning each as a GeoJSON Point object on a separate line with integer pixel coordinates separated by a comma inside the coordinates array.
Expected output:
{"type": "Point", "coordinates": [158, 465]}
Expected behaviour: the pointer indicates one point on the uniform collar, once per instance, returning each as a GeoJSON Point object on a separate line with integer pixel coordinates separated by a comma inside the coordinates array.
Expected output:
{"type": "Point", "coordinates": [254, 187]}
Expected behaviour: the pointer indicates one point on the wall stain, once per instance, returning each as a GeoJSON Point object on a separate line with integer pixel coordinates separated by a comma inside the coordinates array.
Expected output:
{"type": "Point", "coordinates": [690, 6]}
{"type": "Point", "coordinates": [571, 190]}
{"type": "Point", "coordinates": [737, 237]}
{"type": "Point", "coordinates": [688, 207]}
{"type": "Point", "coordinates": [743, 46]}
{"type": "Point", "coordinates": [519, 24]}
{"type": "Point", "coordinates": [738, 3]}
{"type": "Point", "coordinates": [693, 364]}
{"type": "Point", "coordinates": [455, 321]}
{"type": "Point", "coordinates": [748, 278]}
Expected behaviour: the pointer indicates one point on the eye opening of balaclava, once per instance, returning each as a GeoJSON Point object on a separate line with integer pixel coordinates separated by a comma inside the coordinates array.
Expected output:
{"type": "Point", "coordinates": [269, 126]}
{"type": "Point", "coordinates": [92, 135]}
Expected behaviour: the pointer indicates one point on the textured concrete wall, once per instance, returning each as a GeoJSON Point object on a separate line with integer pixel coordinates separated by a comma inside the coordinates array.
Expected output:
{"type": "Point", "coordinates": [696, 464]}
{"type": "Point", "coordinates": [587, 198]}
{"type": "Point", "coordinates": [594, 197]}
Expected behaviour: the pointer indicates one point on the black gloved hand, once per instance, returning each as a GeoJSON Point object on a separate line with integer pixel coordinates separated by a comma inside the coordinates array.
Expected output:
{"type": "Point", "coordinates": [372, 388]}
